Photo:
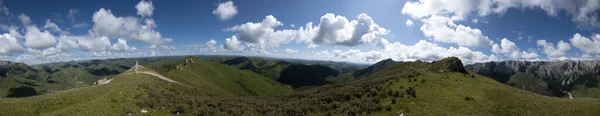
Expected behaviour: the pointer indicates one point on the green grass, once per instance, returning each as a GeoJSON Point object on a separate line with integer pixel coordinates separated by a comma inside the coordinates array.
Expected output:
{"type": "Point", "coordinates": [439, 91]}
{"type": "Point", "coordinates": [225, 79]}
{"type": "Point", "coordinates": [111, 99]}
{"type": "Point", "coordinates": [526, 82]}
{"type": "Point", "coordinates": [587, 86]}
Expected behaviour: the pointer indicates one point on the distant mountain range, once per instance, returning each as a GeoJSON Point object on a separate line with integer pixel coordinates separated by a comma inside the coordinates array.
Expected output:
{"type": "Point", "coordinates": [555, 78]}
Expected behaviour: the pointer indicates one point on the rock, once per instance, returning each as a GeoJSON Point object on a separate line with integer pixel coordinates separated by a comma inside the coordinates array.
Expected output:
{"type": "Point", "coordinates": [143, 111]}
{"type": "Point", "coordinates": [557, 76]}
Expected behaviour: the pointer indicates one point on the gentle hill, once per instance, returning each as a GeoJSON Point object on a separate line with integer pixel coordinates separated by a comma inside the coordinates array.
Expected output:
{"type": "Point", "coordinates": [268, 68]}
{"type": "Point", "coordinates": [221, 78]}
{"type": "Point", "coordinates": [365, 72]}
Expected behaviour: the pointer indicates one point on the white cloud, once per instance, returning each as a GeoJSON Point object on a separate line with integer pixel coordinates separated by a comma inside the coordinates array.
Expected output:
{"type": "Point", "coordinates": [263, 33]}
{"type": "Point", "coordinates": [510, 49]}
{"type": "Point", "coordinates": [67, 43]}
{"type": "Point", "coordinates": [409, 23]}
{"type": "Point", "coordinates": [587, 45]}
{"type": "Point", "coordinates": [9, 45]}
{"type": "Point", "coordinates": [554, 52]}
{"type": "Point", "coordinates": [36, 39]}
{"type": "Point", "coordinates": [475, 21]}
{"type": "Point", "coordinates": [13, 32]}
{"type": "Point", "coordinates": [337, 30]}
{"type": "Point", "coordinates": [71, 14]}
{"type": "Point", "coordinates": [121, 45]}
{"type": "Point", "coordinates": [145, 8]}
{"type": "Point", "coordinates": [312, 46]}
{"type": "Point", "coordinates": [94, 44]}
{"type": "Point", "coordinates": [444, 29]}
{"type": "Point", "coordinates": [422, 50]}
{"type": "Point", "coordinates": [506, 47]}
{"type": "Point", "coordinates": [128, 28]}
{"type": "Point", "coordinates": [582, 12]}
{"type": "Point", "coordinates": [52, 26]}
{"type": "Point", "coordinates": [290, 51]}
{"type": "Point", "coordinates": [25, 20]}
{"type": "Point", "coordinates": [211, 44]}
{"type": "Point", "coordinates": [225, 11]}
{"type": "Point", "coordinates": [232, 44]}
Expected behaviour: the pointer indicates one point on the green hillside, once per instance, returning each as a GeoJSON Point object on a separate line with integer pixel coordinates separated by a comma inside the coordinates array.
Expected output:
{"type": "Point", "coordinates": [223, 78]}
{"type": "Point", "coordinates": [412, 88]}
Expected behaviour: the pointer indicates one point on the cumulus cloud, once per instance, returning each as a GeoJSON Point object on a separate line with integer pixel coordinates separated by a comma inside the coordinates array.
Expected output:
{"type": "Point", "coordinates": [128, 28]}
{"type": "Point", "coordinates": [588, 45]}
{"type": "Point", "coordinates": [582, 12]}
{"type": "Point", "coordinates": [422, 50]}
{"type": "Point", "coordinates": [145, 8]}
{"type": "Point", "coordinates": [9, 45]}
{"type": "Point", "coordinates": [232, 44]}
{"type": "Point", "coordinates": [263, 33]}
{"type": "Point", "coordinates": [290, 51]}
{"type": "Point", "coordinates": [25, 20]}
{"type": "Point", "coordinates": [510, 49]}
{"type": "Point", "coordinates": [409, 23]}
{"type": "Point", "coordinates": [554, 52]}
{"type": "Point", "coordinates": [52, 26]}
{"type": "Point", "coordinates": [225, 11]}
{"type": "Point", "coordinates": [337, 30]}
{"type": "Point", "coordinates": [444, 29]}
{"type": "Point", "coordinates": [211, 44]}
{"type": "Point", "coordinates": [506, 46]}
{"type": "Point", "coordinates": [94, 44]}
{"type": "Point", "coordinates": [121, 45]}
{"type": "Point", "coordinates": [68, 43]}
{"type": "Point", "coordinates": [36, 39]}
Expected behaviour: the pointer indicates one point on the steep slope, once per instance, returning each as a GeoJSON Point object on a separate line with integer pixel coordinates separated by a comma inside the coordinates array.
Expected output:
{"type": "Point", "coordinates": [558, 77]}
{"type": "Point", "coordinates": [381, 65]}
{"type": "Point", "coordinates": [267, 68]}
{"type": "Point", "coordinates": [302, 75]}
{"type": "Point", "coordinates": [221, 78]}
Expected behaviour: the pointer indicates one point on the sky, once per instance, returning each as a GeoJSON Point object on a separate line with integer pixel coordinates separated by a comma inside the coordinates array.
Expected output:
{"type": "Point", "coordinates": [361, 31]}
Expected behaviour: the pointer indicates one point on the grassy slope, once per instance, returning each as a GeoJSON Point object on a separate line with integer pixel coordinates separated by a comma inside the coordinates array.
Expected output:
{"type": "Point", "coordinates": [111, 99]}
{"type": "Point", "coordinates": [225, 79]}
{"type": "Point", "coordinates": [526, 82]}
{"type": "Point", "coordinates": [437, 93]}
{"type": "Point", "coordinates": [446, 94]}
{"type": "Point", "coordinates": [587, 86]}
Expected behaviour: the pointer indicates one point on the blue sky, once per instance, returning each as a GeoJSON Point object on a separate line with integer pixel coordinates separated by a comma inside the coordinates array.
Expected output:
{"type": "Point", "coordinates": [363, 31]}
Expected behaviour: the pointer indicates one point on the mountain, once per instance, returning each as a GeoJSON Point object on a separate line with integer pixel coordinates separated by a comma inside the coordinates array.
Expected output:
{"type": "Point", "coordinates": [555, 78]}
{"type": "Point", "coordinates": [268, 68]}
{"type": "Point", "coordinates": [293, 74]}
{"type": "Point", "coordinates": [411, 88]}
{"type": "Point", "coordinates": [299, 75]}
{"type": "Point", "coordinates": [220, 77]}
{"type": "Point", "coordinates": [381, 65]}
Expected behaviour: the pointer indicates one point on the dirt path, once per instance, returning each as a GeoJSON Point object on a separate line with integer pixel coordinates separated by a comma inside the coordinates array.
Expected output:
{"type": "Point", "coordinates": [155, 74]}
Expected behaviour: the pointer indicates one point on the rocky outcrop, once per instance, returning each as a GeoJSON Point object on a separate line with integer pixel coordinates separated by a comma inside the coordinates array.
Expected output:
{"type": "Point", "coordinates": [558, 76]}
{"type": "Point", "coordinates": [451, 64]}
{"type": "Point", "coordinates": [102, 81]}
{"type": "Point", "coordinates": [188, 61]}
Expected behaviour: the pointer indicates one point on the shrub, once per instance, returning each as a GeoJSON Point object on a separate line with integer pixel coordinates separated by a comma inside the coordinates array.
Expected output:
{"type": "Point", "coordinates": [469, 98]}
{"type": "Point", "coordinates": [411, 91]}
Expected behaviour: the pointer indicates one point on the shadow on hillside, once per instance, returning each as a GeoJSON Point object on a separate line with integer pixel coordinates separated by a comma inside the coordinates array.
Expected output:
{"type": "Point", "coordinates": [23, 91]}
